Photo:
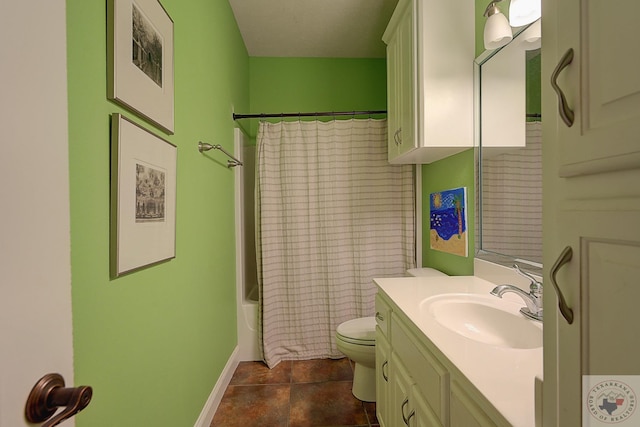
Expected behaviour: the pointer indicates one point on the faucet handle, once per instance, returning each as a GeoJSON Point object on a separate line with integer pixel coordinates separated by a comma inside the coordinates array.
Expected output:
{"type": "Point", "coordinates": [535, 286]}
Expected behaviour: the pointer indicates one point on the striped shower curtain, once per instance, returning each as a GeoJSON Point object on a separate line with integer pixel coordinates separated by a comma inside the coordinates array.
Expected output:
{"type": "Point", "coordinates": [331, 214]}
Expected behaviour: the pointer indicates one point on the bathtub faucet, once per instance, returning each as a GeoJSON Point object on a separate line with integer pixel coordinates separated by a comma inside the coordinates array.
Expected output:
{"type": "Point", "coordinates": [533, 299]}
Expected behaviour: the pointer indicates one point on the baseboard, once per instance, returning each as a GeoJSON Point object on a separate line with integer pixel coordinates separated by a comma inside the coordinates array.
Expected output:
{"type": "Point", "coordinates": [210, 407]}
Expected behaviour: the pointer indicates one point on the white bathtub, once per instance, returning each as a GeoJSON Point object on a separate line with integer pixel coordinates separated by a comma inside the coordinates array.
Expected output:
{"type": "Point", "coordinates": [246, 284]}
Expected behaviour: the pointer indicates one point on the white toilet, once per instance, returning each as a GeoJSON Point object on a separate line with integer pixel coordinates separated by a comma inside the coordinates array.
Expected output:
{"type": "Point", "coordinates": [356, 338]}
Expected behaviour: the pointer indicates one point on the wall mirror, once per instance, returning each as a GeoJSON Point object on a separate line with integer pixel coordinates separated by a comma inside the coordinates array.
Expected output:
{"type": "Point", "coordinates": [509, 153]}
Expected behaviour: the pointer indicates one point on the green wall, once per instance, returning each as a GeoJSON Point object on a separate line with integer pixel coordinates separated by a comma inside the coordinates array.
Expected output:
{"type": "Point", "coordinates": [153, 343]}
{"type": "Point", "coordinates": [534, 83]}
{"type": "Point", "coordinates": [451, 172]}
{"type": "Point", "coordinates": [292, 85]}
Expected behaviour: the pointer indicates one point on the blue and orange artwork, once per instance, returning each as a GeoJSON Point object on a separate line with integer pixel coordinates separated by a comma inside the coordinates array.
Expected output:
{"type": "Point", "coordinates": [448, 211]}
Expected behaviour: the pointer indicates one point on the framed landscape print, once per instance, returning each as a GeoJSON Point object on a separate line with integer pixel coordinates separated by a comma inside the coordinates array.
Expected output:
{"type": "Point", "coordinates": [143, 197]}
{"type": "Point", "coordinates": [140, 59]}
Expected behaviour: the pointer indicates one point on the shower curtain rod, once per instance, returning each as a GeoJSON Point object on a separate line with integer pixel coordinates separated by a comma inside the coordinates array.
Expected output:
{"type": "Point", "coordinates": [317, 114]}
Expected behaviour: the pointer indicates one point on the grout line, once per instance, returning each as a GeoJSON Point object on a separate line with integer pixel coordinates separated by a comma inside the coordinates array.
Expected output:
{"type": "Point", "coordinates": [366, 414]}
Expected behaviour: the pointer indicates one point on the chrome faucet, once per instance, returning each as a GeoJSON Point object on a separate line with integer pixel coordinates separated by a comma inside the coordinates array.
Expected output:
{"type": "Point", "coordinates": [533, 299]}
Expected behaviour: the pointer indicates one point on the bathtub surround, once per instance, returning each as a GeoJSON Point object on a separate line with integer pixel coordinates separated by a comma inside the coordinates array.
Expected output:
{"type": "Point", "coordinates": [332, 215]}
{"type": "Point", "coordinates": [246, 278]}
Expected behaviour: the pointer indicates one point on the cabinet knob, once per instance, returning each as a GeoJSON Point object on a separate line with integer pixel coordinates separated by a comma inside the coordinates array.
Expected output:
{"type": "Point", "coordinates": [379, 316]}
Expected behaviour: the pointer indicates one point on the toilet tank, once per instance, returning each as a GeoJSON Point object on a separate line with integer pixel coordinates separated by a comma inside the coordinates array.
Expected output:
{"type": "Point", "coordinates": [425, 272]}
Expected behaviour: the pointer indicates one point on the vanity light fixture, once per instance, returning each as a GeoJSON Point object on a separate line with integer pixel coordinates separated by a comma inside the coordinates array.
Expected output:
{"type": "Point", "coordinates": [497, 31]}
{"type": "Point", "coordinates": [523, 12]}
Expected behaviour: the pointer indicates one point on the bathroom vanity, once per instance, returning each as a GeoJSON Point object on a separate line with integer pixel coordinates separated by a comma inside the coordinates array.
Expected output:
{"type": "Point", "coordinates": [450, 354]}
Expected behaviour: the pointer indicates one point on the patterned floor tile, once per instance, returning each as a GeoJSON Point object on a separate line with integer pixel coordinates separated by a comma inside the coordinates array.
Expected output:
{"type": "Point", "coordinates": [307, 393]}
{"type": "Point", "coordinates": [253, 405]}
{"type": "Point", "coordinates": [319, 370]}
{"type": "Point", "coordinates": [259, 373]}
{"type": "Point", "coordinates": [328, 403]}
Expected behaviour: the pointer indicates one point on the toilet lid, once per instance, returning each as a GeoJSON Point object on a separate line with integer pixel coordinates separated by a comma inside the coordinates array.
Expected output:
{"type": "Point", "coordinates": [358, 331]}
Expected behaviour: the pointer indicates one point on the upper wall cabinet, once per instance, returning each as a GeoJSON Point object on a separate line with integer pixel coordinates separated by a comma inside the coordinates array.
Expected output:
{"type": "Point", "coordinates": [430, 52]}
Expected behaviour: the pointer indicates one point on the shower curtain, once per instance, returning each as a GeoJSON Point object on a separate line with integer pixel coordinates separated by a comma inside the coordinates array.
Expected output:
{"type": "Point", "coordinates": [331, 215]}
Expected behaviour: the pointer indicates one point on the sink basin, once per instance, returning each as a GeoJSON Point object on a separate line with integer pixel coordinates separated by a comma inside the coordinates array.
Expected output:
{"type": "Point", "coordinates": [484, 318]}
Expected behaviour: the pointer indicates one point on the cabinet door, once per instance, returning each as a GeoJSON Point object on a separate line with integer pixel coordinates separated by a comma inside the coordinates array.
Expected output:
{"type": "Point", "coordinates": [383, 353]}
{"type": "Point", "coordinates": [423, 416]}
{"type": "Point", "coordinates": [601, 286]}
{"type": "Point", "coordinates": [400, 81]}
{"type": "Point", "coordinates": [407, 88]}
{"type": "Point", "coordinates": [602, 84]}
{"type": "Point", "coordinates": [401, 383]}
{"type": "Point", "coordinates": [393, 95]}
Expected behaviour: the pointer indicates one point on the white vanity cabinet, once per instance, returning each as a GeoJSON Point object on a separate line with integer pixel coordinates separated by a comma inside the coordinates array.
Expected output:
{"type": "Point", "coordinates": [416, 384]}
{"type": "Point", "coordinates": [430, 53]}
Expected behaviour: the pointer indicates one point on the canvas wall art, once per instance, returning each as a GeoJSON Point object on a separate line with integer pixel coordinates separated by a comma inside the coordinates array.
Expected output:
{"type": "Point", "coordinates": [448, 213]}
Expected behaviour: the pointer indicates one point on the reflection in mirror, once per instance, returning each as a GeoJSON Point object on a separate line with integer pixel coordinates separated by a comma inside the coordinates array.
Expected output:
{"type": "Point", "coordinates": [510, 156]}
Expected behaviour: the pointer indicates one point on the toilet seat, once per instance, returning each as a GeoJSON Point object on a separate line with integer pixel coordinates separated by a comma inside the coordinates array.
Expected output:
{"type": "Point", "coordinates": [360, 331]}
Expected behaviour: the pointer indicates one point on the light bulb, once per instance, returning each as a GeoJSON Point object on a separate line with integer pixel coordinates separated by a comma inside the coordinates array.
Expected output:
{"type": "Point", "coordinates": [533, 36]}
{"type": "Point", "coordinates": [523, 12]}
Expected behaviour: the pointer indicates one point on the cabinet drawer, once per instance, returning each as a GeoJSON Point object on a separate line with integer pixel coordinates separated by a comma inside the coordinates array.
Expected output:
{"type": "Point", "coordinates": [430, 376]}
{"type": "Point", "coordinates": [383, 315]}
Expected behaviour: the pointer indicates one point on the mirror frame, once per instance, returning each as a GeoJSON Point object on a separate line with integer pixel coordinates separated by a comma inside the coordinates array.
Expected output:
{"type": "Point", "coordinates": [493, 257]}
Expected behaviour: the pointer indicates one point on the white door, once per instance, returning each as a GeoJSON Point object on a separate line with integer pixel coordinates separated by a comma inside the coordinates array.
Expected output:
{"type": "Point", "coordinates": [592, 205]}
{"type": "Point", "coordinates": [35, 289]}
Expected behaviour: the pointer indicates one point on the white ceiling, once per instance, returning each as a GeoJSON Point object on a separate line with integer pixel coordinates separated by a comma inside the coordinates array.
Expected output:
{"type": "Point", "coordinates": [313, 28]}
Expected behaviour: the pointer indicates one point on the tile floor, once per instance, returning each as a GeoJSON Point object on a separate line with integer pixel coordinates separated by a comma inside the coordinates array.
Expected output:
{"type": "Point", "coordinates": [306, 393]}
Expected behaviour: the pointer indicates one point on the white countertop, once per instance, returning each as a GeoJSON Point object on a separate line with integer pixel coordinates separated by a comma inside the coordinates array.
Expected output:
{"type": "Point", "coordinates": [505, 376]}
